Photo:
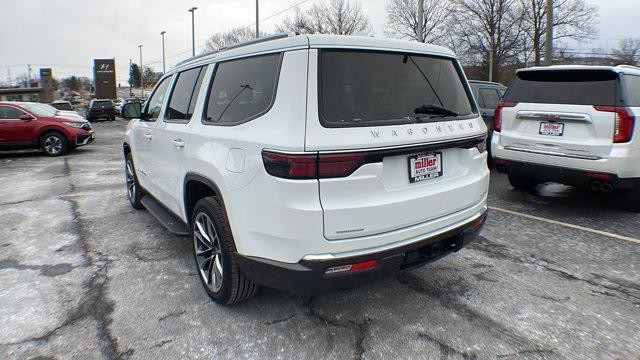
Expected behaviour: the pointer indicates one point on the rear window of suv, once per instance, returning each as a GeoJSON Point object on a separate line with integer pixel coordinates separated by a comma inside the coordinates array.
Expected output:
{"type": "Point", "coordinates": [102, 103]}
{"type": "Point", "coordinates": [368, 88]}
{"type": "Point", "coordinates": [572, 87]}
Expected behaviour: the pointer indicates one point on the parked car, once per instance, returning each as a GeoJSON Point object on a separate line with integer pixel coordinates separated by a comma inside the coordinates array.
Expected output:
{"type": "Point", "coordinates": [27, 125]}
{"type": "Point", "coordinates": [64, 113]}
{"type": "Point", "coordinates": [294, 162]}
{"type": "Point", "coordinates": [487, 95]}
{"type": "Point", "coordinates": [62, 105]}
{"type": "Point", "coordinates": [573, 125]}
{"type": "Point", "coordinates": [101, 109]}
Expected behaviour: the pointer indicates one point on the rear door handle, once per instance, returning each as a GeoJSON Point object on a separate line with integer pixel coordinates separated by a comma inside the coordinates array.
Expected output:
{"type": "Point", "coordinates": [178, 143]}
{"type": "Point", "coordinates": [148, 136]}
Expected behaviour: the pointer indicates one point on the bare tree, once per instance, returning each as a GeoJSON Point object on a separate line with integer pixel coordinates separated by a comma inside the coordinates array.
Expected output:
{"type": "Point", "coordinates": [228, 38]}
{"type": "Point", "coordinates": [628, 52]}
{"type": "Point", "coordinates": [308, 22]}
{"type": "Point", "coordinates": [340, 17]}
{"type": "Point", "coordinates": [402, 20]}
{"type": "Point", "coordinates": [489, 28]}
{"type": "Point", "coordinates": [572, 19]}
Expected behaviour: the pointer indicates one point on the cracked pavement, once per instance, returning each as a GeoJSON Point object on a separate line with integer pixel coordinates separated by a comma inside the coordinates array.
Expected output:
{"type": "Point", "coordinates": [85, 276]}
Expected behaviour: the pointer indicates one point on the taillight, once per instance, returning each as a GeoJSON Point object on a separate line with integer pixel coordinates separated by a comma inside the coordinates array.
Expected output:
{"type": "Point", "coordinates": [497, 114]}
{"type": "Point", "coordinates": [312, 166]}
{"type": "Point", "coordinates": [624, 123]}
{"type": "Point", "coordinates": [339, 165]}
{"type": "Point", "coordinates": [291, 166]}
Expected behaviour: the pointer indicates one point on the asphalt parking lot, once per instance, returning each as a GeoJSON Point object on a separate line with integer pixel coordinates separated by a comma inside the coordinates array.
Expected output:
{"type": "Point", "coordinates": [83, 275]}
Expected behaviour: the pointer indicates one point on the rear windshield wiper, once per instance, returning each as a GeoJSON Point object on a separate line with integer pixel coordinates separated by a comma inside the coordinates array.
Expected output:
{"type": "Point", "coordinates": [435, 110]}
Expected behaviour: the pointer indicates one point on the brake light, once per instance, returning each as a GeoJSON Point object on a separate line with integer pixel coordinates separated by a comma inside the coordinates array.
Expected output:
{"type": "Point", "coordinates": [312, 166]}
{"type": "Point", "coordinates": [339, 165]}
{"type": "Point", "coordinates": [291, 166]}
{"type": "Point", "coordinates": [497, 114]}
{"type": "Point", "coordinates": [624, 123]}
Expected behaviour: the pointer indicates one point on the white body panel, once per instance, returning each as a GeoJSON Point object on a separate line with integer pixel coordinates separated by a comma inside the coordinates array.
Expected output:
{"type": "Point", "coordinates": [286, 220]}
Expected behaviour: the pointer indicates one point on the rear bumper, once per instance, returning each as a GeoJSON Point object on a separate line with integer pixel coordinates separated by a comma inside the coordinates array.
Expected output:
{"type": "Point", "coordinates": [622, 161]}
{"type": "Point", "coordinates": [579, 178]}
{"type": "Point", "coordinates": [308, 277]}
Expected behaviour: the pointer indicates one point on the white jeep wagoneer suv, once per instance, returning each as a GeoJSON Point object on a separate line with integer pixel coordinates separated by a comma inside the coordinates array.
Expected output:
{"type": "Point", "coordinates": [311, 162]}
{"type": "Point", "coordinates": [574, 125]}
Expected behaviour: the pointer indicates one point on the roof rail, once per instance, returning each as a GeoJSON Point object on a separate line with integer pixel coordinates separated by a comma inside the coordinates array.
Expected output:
{"type": "Point", "coordinates": [629, 67]}
{"type": "Point", "coordinates": [238, 45]}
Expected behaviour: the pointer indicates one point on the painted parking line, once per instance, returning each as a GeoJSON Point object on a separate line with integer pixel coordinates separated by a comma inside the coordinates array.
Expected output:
{"type": "Point", "coordinates": [571, 226]}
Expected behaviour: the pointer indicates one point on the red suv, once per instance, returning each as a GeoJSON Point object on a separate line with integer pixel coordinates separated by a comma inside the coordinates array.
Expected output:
{"type": "Point", "coordinates": [25, 125]}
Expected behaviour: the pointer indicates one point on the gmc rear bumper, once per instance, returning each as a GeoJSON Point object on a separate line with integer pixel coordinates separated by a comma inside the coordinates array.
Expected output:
{"type": "Point", "coordinates": [310, 277]}
{"type": "Point", "coordinates": [578, 178]}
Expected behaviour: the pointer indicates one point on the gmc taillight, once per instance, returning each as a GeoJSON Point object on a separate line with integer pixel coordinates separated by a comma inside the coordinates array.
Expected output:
{"type": "Point", "coordinates": [624, 122]}
{"type": "Point", "coordinates": [497, 114]}
{"type": "Point", "coordinates": [312, 166]}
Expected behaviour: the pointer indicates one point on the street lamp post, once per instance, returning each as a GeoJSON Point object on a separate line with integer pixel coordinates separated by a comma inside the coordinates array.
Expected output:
{"type": "Point", "coordinates": [420, 27]}
{"type": "Point", "coordinates": [163, 56]}
{"type": "Point", "coordinates": [193, 30]}
{"type": "Point", "coordinates": [141, 74]}
{"type": "Point", "coordinates": [257, 21]}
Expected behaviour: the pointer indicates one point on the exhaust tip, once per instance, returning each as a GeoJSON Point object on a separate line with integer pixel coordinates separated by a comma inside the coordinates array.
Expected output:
{"type": "Point", "coordinates": [606, 187]}
{"type": "Point", "coordinates": [595, 186]}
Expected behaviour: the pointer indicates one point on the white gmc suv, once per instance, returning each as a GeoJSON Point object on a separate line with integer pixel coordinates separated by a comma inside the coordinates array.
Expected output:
{"type": "Point", "coordinates": [574, 125]}
{"type": "Point", "coordinates": [311, 163]}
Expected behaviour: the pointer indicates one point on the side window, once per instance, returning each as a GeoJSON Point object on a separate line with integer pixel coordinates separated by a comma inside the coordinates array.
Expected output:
{"type": "Point", "coordinates": [184, 95]}
{"type": "Point", "coordinates": [490, 98]}
{"type": "Point", "coordinates": [8, 112]}
{"type": "Point", "coordinates": [243, 89]}
{"type": "Point", "coordinates": [154, 104]}
{"type": "Point", "coordinates": [632, 90]}
{"type": "Point", "coordinates": [479, 100]}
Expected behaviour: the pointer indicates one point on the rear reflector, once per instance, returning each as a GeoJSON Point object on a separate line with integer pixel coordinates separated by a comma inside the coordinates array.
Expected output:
{"type": "Point", "coordinates": [624, 123]}
{"type": "Point", "coordinates": [599, 176]}
{"type": "Point", "coordinates": [352, 267]}
{"type": "Point", "coordinates": [497, 114]}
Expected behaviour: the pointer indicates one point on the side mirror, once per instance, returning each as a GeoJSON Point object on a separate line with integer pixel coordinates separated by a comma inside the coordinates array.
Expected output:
{"type": "Point", "coordinates": [25, 117]}
{"type": "Point", "coordinates": [132, 110]}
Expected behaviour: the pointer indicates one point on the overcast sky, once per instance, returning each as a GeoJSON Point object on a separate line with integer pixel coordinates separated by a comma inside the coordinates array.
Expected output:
{"type": "Point", "coordinates": [67, 34]}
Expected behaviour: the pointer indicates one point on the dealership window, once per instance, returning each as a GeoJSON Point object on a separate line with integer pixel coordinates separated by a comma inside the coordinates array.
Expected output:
{"type": "Point", "coordinates": [243, 89]}
{"type": "Point", "coordinates": [184, 95]}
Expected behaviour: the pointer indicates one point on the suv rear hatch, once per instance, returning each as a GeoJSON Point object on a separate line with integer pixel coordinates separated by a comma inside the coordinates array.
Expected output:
{"type": "Point", "coordinates": [562, 112]}
{"type": "Point", "coordinates": [397, 136]}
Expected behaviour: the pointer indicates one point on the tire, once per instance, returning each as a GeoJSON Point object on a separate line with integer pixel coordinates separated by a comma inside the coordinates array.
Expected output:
{"type": "Point", "coordinates": [134, 190]}
{"type": "Point", "coordinates": [630, 200]}
{"type": "Point", "coordinates": [522, 182]}
{"type": "Point", "coordinates": [54, 143]}
{"type": "Point", "coordinates": [214, 251]}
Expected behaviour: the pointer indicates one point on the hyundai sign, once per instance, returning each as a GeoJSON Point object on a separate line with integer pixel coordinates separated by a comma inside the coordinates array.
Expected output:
{"type": "Point", "coordinates": [104, 78]}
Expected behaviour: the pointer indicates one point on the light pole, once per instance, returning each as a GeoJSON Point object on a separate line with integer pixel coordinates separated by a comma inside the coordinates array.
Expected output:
{"type": "Point", "coordinates": [420, 20]}
{"type": "Point", "coordinates": [257, 21]}
{"type": "Point", "coordinates": [141, 74]}
{"type": "Point", "coordinates": [548, 51]}
{"type": "Point", "coordinates": [490, 46]}
{"type": "Point", "coordinates": [193, 30]}
{"type": "Point", "coordinates": [163, 57]}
